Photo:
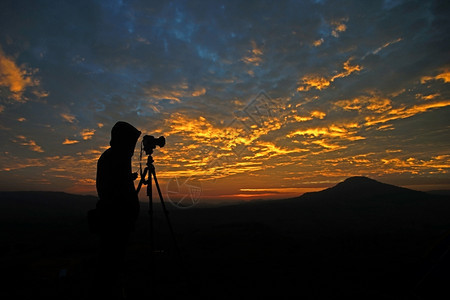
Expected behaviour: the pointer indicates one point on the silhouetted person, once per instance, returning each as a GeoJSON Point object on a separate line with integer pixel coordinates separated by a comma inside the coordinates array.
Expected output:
{"type": "Point", "coordinates": [118, 207]}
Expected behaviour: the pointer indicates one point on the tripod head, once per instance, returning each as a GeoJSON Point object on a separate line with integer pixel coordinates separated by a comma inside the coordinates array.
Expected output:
{"type": "Point", "coordinates": [149, 143]}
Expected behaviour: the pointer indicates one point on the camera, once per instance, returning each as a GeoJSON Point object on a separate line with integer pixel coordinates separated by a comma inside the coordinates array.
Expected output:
{"type": "Point", "coordinates": [150, 142]}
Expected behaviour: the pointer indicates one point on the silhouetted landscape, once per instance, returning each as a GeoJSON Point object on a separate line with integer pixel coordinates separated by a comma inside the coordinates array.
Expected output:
{"type": "Point", "coordinates": [359, 239]}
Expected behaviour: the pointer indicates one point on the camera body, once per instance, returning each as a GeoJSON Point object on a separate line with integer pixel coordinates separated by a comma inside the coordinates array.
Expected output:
{"type": "Point", "coordinates": [150, 142]}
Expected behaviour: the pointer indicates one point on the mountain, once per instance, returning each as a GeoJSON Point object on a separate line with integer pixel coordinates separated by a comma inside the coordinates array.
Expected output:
{"type": "Point", "coordinates": [360, 187]}
{"type": "Point", "coordinates": [358, 205]}
{"type": "Point", "coordinates": [41, 205]}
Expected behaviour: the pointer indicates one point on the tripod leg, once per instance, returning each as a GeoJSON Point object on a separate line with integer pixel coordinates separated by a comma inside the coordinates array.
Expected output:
{"type": "Point", "coordinates": [150, 213]}
{"type": "Point", "coordinates": [166, 213]}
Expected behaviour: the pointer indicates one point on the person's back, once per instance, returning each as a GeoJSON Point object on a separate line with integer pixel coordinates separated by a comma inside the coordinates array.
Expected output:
{"type": "Point", "coordinates": [118, 206]}
{"type": "Point", "coordinates": [118, 198]}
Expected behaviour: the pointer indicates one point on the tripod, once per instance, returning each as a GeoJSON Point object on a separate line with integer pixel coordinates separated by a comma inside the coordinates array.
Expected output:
{"type": "Point", "coordinates": [150, 170]}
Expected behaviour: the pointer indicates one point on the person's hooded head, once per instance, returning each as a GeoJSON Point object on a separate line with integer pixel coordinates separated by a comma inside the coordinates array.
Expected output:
{"type": "Point", "coordinates": [124, 137]}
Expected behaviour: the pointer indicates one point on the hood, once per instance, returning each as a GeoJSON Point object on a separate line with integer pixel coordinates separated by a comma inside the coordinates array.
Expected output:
{"type": "Point", "coordinates": [124, 137]}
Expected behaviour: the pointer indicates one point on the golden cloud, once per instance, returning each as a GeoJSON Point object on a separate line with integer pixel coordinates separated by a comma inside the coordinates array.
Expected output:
{"type": "Point", "coordinates": [384, 46]}
{"type": "Point", "coordinates": [440, 163]}
{"type": "Point", "coordinates": [318, 42]}
{"type": "Point", "coordinates": [174, 93]}
{"type": "Point", "coordinates": [338, 26]}
{"type": "Point", "coordinates": [443, 75]}
{"type": "Point", "coordinates": [334, 131]}
{"type": "Point", "coordinates": [269, 150]}
{"type": "Point", "coordinates": [15, 78]}
{"type": "Point", "coordinates": [320, 82]}
{"type": "Point", "coordinates": [87, 134]}
{"type": "Point", "coordinates": [318, 114]}
{"type": "Point", "coordinates": [378, 104]}
{"type": "Point", "coordinates": [374, 103]}
{"type": "Point", "coordinates": [24, 141]}
{"type": "Point", "coordinates": [352, 104]}
{"type": "Point", "coordinates": [70, 142]}
{"type": "Point", "coordinates": [313, 81]}
{"type": "Point", "coordinates": [68, 117]}
{"type": "Point", "coordinates": [404, 112]}
{"type": "Point", "coordinates": [211, 151]}
{"type": "Point", "coordinates": [327, 145]}
{"type": "Point", "coordinates": [427, 97]}
{"type": "Point", "coordinates": [255, 55]}
{"type": "Point", "coordinates": [10, 163]}
{"type": "Point", "coordinates": [199, 92]}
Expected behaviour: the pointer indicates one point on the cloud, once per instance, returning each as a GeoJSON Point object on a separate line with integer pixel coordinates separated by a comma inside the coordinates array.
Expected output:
{"type": "Point", "coordinates": [404, 112]}
{"type": "Point", "coordinates": [373, 102]}
{"type": "Point", "coordinates": [70, 142]}
{"type": "Point", "coordinates": [320, 82]}
{"type": "Point", "coordinates": [87, 134]}
{"type": "Point", "coordinates": [443, 75]}
{"type": "Point", "coordinates": [318, 42]}
{"type": "Point", "coordinates": [385, 45]}
{"type": "Point", "coordinates": [428, 97]}
{"type": "Point", "coordinates": [24, 141]}
{"type": "Point", "coordinates": [15, 78]}
{"type": "Point", "coordinates": [338, 27]}
{"type": "Point", "coordinates": [68, 117]}
{"type": "Point", "coordinates": [344, 131]}
{"type": "Point", "coordinates": [255, 55]}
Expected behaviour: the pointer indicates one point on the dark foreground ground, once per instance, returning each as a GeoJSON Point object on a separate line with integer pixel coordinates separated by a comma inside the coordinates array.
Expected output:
{"type": "Point", "coordinates": [282, 249]}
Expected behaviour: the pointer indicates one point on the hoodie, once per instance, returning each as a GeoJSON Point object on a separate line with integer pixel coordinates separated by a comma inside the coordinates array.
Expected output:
{"type": "Point", "coordinates": [118, 200]}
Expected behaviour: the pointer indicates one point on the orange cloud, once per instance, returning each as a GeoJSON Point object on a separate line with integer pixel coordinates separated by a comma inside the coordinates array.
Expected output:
{"type": "Point", "coordinates": [334, 131]}
{"type": "Point", "coordinates": [268, 150]}
{"type": "Point", "coordinates": [255, 55]}
{"type": "Point", "coordinates": [199, 92]}
{"type": "Point", "coordinates": [320, 82]}
{"type": "Point", "coordinates": [404, 112]}
{"type": "Point", "coordinates": [427, 97]}
{"type": "Point", "coordinates": [68, 117]}
{"type": "Point", "coordinates": [313, 81]}
{"type": "Point", "coordinates": [15, 78]}
{"type": "Point", "coordinates": [439, 163]}
{"type": "Point", "coordinates": [87, 134]}
{"type": "Point", "coordinates": [338, 26]}
{"type": "Point", "coordinates": [314, 115]}
{"type": "Point", "coordinates": [318, 114]}
{"type": "Point", "coordinates": [174, 93]}
{"type": "Point", "coordinates": [444, 75]}
{"type": "Point", "coordinates": [70, 142]}
{"type": "Point", "coordinates": [348, 69]}
{"type": "Point", "coordinates": [353, 104]}
{"type": "Point", "coordinates": [384, 46]}
{"type": "Point", "coordinates": [22, 140]}
{"type": "Point", "coordinates": [374, 103]}
{"type": "Point", "coordinates": [327, 145]}
{"type": "Point", "coordinates": [318, 42]}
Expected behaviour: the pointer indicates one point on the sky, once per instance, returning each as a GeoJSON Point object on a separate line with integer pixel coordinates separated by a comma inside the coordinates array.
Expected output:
{"type": "Point", "coordinates": [256, 99]}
